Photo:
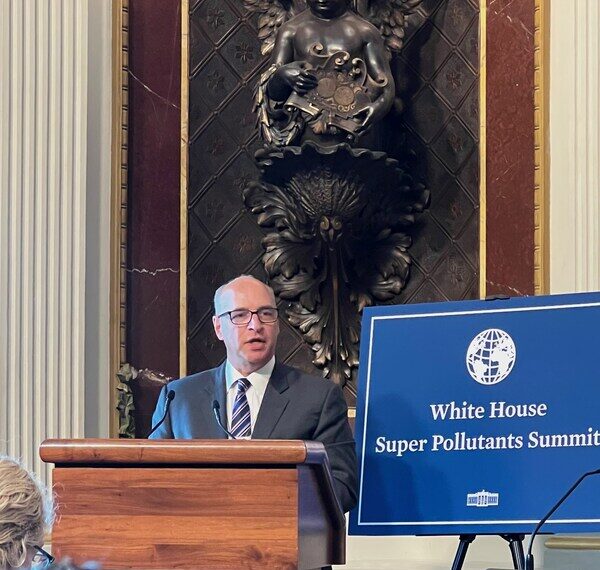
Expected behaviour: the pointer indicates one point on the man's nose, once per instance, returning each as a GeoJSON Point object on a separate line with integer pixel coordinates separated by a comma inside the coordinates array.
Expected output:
{"type": "Point", "coordinates": [255, 323]}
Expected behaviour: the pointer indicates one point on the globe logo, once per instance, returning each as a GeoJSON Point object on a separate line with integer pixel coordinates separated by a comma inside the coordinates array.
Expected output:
{"type": "Point", "coordinates": [491, 356]}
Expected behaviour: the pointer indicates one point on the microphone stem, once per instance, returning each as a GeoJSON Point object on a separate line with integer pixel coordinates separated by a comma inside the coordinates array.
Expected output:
{"type": "Point", "coordinates": [529, 561]}
{"type": "Point", "coordinates": [170, 397]}
{"type": "Point", "coordinates": [216, 410]}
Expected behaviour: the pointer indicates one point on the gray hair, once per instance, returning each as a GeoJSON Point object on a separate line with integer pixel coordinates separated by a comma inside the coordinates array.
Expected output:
{"type": "Point", "coordinates": [25, 512]}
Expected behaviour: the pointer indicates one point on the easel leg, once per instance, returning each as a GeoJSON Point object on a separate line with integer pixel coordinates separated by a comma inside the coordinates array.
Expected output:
{"type": "Point", "coordinates": [461, 553]}
{"type": "Point", "coordinates": [515, 542]}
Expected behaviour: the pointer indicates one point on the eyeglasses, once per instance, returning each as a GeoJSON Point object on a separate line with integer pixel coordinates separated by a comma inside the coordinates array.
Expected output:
{"type": "Point", "coordinates": [41, 558]}
{"type": "Point", "coordinates": [266, 315]}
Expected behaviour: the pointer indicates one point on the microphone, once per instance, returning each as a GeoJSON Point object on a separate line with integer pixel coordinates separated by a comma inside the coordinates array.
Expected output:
{"type": "Point", "coordinates": [170, 398]}
{"type": "Point", "coordinates": [216, 410]}
{"type": "Point", "coordinates": [529, 558]}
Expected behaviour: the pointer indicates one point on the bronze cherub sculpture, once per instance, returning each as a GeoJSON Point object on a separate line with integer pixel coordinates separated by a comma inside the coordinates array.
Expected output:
{"type": "Point", "coordinates": [330, 78]}
{"type": "Point", "coordinates": [338, 210]}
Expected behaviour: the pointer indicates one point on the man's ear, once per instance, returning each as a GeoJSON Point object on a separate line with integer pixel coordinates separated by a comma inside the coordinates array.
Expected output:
{"type": "Point", "coordinates": [217, 326]}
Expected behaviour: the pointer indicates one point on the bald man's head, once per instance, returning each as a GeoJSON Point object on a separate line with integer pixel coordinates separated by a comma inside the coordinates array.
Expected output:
{"type": "Point", "coordinates": [236, 283]}
{"type": "Point", "coordinates": [252, 344]}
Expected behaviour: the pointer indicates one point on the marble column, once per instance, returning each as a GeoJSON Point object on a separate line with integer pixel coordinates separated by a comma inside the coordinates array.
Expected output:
{"type": "Point", "coordinates": [574, 191]}
{"type": "Point", "coordinates": [574, 146]}
{"type": "Point", "coordinates": [43, 154]}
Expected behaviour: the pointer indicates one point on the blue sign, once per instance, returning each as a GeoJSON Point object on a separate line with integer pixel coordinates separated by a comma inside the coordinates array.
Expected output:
{"type": "Point", "coordinates": [476, 416]}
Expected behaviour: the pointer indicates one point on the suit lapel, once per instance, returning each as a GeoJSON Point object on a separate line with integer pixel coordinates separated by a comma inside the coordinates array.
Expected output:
{"type": "Point", "coordinates": [273, 404]}
{"type": "Point", "coordinates": [219, 393]}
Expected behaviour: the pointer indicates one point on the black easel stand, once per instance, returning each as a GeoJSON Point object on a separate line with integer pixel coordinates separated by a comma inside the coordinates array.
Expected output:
{"type": "Point", "coordinates": [515, 543]}
{"type": "Point", "coordinates": [461, 552]}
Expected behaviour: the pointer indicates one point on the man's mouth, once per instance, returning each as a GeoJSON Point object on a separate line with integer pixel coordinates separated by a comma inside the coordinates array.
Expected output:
{"type": "Point", "coordinates": [255, 341]}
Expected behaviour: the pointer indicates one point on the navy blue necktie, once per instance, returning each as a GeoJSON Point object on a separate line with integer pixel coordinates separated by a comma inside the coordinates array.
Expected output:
{"type": "Point", "coordinates": [240, 415]}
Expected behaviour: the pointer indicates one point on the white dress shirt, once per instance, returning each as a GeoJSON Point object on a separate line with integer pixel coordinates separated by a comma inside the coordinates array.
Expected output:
{"type": "Point", "coordinates": [255, 393]}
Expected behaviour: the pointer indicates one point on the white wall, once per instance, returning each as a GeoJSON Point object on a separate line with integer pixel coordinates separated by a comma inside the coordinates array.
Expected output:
{"type": "Point", "coordinates": [574, 174]}
{"type": "Point", "coordinates": [54, 179]}
{"type": "Point", "coordinates": [423, 553]}
{"type": "Point", "coordinates": [574, 146]}
{"type": "Point", "coordinates": [42, 244]}
{"type": "Point", "coordinates": [97, 317]}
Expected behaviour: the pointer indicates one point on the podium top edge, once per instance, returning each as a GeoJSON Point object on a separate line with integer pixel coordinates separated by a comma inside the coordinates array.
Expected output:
{"type": "Point", "coordinates": [91, 452]}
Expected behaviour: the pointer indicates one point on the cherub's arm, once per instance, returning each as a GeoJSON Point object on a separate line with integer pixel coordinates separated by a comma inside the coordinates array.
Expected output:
{"type": "Point", "coordinates": [378, 67]}
{"type": "Point", "coordinates": [283, 51]}
{"type": "Point", "coordinates": [291, 75]}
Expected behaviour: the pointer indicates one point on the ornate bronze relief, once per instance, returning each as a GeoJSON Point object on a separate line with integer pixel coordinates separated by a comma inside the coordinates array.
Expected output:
{"type": "Point", "coordinates": [338, 208]}
{"type": "Point", "coordinates": [339, 219]}
{"type": "Point", "coordinates": [434, 138]}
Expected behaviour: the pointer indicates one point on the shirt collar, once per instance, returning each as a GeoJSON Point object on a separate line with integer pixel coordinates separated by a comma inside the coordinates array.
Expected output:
{"type": "Point", "coordinates": [258, 379]}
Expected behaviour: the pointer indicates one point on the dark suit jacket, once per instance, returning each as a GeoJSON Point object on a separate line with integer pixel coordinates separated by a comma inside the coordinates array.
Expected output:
{"type": "Point", "coordinates": [295, 406]}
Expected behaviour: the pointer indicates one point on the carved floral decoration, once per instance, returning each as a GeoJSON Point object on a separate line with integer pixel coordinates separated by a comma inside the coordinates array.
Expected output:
{"type": "Point", "coordinates": [338, 221]}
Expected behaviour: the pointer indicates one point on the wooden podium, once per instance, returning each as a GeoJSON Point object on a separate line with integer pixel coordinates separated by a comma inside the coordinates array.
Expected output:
{"type": "Point", "coordinates": [207, 504]}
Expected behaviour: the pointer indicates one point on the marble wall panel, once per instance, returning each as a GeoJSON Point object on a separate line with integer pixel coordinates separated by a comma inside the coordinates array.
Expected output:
{"type": "Point", "coordinates": [154, 182]}
{"type": "Point", "coordinates": [510, 147]}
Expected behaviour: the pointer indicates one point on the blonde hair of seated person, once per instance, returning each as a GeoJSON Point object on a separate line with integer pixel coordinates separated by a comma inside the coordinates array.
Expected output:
{"type": "Point", "coordinates": [25, 514]}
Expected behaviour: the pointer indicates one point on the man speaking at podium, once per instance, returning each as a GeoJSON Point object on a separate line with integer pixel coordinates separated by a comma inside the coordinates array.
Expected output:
{"type": "Point", "coordinates": [257, 396]}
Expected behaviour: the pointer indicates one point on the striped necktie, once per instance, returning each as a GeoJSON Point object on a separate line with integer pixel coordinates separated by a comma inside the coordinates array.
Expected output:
{"type": "Point", "coordinates": [240, 416]}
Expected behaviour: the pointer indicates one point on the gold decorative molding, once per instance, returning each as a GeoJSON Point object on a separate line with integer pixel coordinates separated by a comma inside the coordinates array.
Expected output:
{"type": "Point", "coordinates": [541, 154]}
{"type": "Point", "coordinates": [573, 543]}
{"type": "Point", "coordinates": [482, 147]}
{"type": "Point", "coordinates": [118, 207]}
{"type": "Point", "coordinates": [183, 204]}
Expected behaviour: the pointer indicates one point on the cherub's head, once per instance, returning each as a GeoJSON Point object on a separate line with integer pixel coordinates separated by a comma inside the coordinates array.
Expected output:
{"type": "Point", "coordinates": [329, 9]}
